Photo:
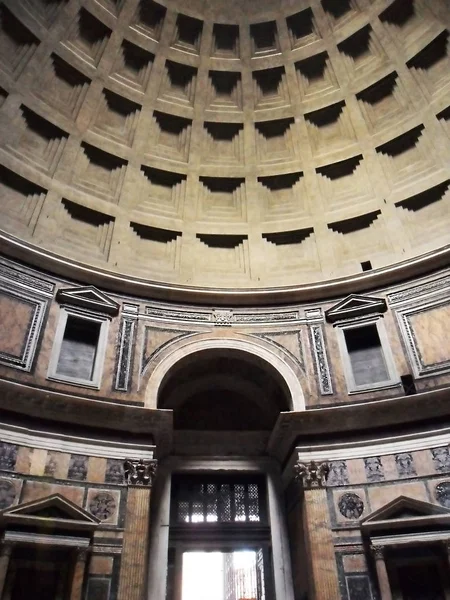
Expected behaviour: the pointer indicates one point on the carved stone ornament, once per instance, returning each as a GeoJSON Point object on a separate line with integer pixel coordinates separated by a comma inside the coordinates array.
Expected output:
{"type": "Point", "coordinates": [442, 491]}
{"type": "Point", "coordinates": [140, 472]}
{"type": "Point", "coordinates": [312, 475]}
{"type": "Point", "coordinates": [351, 506]}
{"type": "Point", "coordinates": [223, 318]}
{"type": "Point", "coordinates": [102, 506]}
{"type": "Point", "coordinates": [7, 493]}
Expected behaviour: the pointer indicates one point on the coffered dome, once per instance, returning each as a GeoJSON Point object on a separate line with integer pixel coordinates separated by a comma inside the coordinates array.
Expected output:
{"type": "Point", "coordinates": [231, 145]}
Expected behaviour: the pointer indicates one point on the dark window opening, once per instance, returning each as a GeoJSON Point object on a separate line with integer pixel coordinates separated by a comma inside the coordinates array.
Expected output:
{"type": "Point", "coordinates": [79, 348]}
{"type": "Point", "coordinates": [409, 387]}
{"type": "Point", "coordinates": [366, 265]}
{"type": "Point", "coordinates": [366, 355]}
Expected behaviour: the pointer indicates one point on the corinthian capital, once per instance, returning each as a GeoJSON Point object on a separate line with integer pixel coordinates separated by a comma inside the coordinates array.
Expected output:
{"type": "Point", "coordinates": [312, 475]}
{"type": "Point", "coordinates": [140, 471]}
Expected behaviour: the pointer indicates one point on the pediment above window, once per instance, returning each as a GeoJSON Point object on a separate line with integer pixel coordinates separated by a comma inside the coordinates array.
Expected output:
{"type": "Point", "coordinates": [355, 306]}
{"type": "Point", "coordinates": [406, 513]}
{"type": "Point", "coordinates": [53, 512]}
{"type": "Point", "coordinates": [88, 297]}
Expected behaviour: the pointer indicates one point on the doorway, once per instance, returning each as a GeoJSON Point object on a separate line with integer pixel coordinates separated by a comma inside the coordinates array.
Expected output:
{"type": "Point", "coordinates": [38, 573]}
{"type": "Point", "coordinates": [219, 538]}
{"type": "Point", "coordinates": [234, 575]}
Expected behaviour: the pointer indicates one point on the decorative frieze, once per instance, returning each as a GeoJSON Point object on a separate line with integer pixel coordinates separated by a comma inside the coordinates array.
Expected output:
{"type": "Point", "coordinates": [22, 279]}
{"type": "Point", "coordinates": [431, 287]}
{"type": "Point", "coordinates": [140, 472]}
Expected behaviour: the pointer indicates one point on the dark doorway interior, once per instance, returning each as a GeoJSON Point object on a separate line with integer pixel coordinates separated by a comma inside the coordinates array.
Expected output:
{"type": "Point", "coordinates": [38, 574]}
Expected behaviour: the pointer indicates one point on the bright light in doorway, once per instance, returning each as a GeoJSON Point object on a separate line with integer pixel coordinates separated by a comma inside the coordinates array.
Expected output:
{"type": "Point", "coordinates": [203, 576]}
{"type": "Point", "coordinates": [219, 576]}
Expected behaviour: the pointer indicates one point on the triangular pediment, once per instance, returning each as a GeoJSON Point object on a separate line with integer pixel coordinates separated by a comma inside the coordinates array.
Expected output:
{"type": "Point", "coordinates": [53, 511]}
{"type": "Point", "coordinates": [403, 512]}
{"type": "Point", "coordinates": [355, 306]}
{"type": "Point", "coordinates": [88, 297]}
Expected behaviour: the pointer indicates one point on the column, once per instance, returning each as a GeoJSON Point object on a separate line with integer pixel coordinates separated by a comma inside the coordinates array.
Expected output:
{"type": "Point", "coordinates": [382, 574]}
{"type": "Point", "coordinates": [139, 475]}
{"type": "Point", "coordinates": [324, 583]}
{"type": "Point", "coordinates": [5, 556]}
{"type": "Point", "coordinates": [76, 591]}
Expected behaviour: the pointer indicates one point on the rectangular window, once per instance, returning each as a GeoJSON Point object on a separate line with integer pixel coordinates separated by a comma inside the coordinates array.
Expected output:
{"type": "Point", "coordinates": [79, 348]}
{"type": "Point", "coordinates": [366, 355]}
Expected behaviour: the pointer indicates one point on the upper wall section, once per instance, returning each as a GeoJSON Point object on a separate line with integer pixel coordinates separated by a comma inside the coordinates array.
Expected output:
{"type": "Point", "coordinates": [226, 144]}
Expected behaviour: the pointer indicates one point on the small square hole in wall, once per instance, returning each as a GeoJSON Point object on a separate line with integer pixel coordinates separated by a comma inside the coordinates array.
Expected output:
{"type": "Point", "coordinates": [409, 387]}
{"type": "Point", "coordinates": [366, 265]}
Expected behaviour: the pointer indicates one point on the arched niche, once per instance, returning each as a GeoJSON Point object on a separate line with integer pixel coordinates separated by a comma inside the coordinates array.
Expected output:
{"type": "Point", "coordinates": [239, 372]}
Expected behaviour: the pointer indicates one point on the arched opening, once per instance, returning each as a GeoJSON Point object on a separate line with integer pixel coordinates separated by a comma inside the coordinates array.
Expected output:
{"type": "Point", "coordinates": [222, 389]}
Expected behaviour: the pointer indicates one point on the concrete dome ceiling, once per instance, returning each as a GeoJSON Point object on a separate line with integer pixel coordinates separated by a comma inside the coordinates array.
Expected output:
{"type": "Point", "coordinates": [233, 145]}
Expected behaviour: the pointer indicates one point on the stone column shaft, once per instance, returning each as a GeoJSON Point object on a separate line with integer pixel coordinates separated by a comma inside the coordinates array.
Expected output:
{"type": "Point", "coordinates": [323, 575]}
{"type": "Point", "coordinates": [134, 554]}
{"type": "Point", "coordinates": [76, 590]}
{"type": "Point", "coordinates": [382, 574]}
{"type": "Point", "coordinates": [319, 543]}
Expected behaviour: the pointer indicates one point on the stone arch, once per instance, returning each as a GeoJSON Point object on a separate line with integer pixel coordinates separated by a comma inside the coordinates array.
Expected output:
{"type": "Point", "coordinates": [271, 357]}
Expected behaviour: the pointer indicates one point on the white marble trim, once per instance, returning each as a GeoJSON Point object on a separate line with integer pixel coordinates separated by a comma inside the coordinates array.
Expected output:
{"type": "Point", "coordinates": [383, 446]}
{"type": "Point", "coordinates": [22, 436]}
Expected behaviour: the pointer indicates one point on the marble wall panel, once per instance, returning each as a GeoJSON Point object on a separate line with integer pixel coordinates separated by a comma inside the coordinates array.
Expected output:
{"type": "Point", "coordinates": [101, 565]}
{"type": "Point", "coordinates": [33, 490]}
{"type": "Point", "coordinates": [431, 334]}
{"type": "Point", "coordinates": [381, 495]}
{"type": "Point", "coordinates": [18, 315]}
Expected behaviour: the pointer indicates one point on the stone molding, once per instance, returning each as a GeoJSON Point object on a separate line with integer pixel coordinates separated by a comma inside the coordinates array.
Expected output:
{"type": "Point", "coordinates": [21, 436]}
{"type": "Point", "coordinates": [312, 475]}
{"type": "Point", "coordinates": [89, 298]}
{"type": "Point", "coordinates": [140, 472]}
{"type": "Point", "coordinates": [120, 283]}
{"type": "Point", "coordinates": [182, 347]}
{"type": "Point", "coordinates": [354, 307]}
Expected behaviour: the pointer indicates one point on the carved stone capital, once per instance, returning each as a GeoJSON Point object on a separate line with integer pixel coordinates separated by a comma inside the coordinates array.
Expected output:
{"type": "Point", "coordinates": [378, 552]}
{"type": "Point", "coordinates": [312, 475]}
{"type": "Point", "coordinates": [140, 471]}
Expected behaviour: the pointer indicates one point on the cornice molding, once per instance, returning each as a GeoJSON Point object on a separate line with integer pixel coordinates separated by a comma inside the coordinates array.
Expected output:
{"type": "Point", "coordinates": [115, 282]}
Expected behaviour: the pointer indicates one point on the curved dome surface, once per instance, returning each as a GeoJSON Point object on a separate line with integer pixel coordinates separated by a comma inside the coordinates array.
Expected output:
{"type": "Point", "coordinates": [226, 144]}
